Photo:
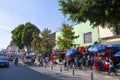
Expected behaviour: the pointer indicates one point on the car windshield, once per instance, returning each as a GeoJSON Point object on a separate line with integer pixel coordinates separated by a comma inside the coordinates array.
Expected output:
{"type": "Point", "coordinates": [1, 54]}
{"type": "Point", "coordinates": [28, 57]}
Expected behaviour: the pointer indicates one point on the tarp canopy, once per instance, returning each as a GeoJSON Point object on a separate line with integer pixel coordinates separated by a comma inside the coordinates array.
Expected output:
{"type": "Point", "coordinates": [61, 51]}
{"type": "Point", "coordinates": [113, 46]}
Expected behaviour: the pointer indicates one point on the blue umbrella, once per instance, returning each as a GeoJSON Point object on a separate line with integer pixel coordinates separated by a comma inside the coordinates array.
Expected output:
{"type": "Point", "coordinates": [96, 48]}
{"type": "Point", "coordinates": [93, 48]}
{"type": "Point", "coordinates": [71, 51]}
{"type": "Point", "coordinates": [68, 53]}
{"type": "Point", "coordinates": [117, 54]}
{"type": "Point", "coordinates": [100, 47]}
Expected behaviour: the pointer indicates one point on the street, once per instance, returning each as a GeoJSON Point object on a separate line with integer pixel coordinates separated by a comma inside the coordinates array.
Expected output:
{"type": "Point", "coordinates": [22, 72]}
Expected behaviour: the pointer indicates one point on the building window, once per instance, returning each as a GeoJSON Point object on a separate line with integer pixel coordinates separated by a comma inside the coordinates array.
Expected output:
{"type": "Point", "coordinates": [88, 38]}
{"type": "Point", "coordinates": [118, 30]}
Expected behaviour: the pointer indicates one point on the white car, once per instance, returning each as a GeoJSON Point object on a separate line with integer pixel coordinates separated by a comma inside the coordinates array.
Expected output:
{"type": "Point", "coordinates": [27, 60]}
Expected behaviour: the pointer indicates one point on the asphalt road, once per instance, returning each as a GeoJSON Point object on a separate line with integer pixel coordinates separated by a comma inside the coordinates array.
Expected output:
{"type": "Point", "coordinates": [22, 72]}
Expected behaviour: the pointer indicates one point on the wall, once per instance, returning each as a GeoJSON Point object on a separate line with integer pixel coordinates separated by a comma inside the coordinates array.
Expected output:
{"type": "Point", "coordinates": [105, 32]}
{"type": "Point", "coordinates": [58, 34]}
{"type": "Point", "coordinates": [82, 28]}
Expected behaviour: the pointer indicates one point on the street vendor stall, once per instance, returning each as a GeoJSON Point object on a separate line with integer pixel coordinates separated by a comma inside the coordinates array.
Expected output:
{"type": "Point", "coordinates": [59, 55]}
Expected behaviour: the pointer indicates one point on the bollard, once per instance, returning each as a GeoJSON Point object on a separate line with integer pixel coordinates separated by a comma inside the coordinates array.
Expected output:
{"type": "Point", "coordinates": [35, 64]}
{"type": "Point", "coordinates": [52, 67]}
{"type": "Point", "coordinates": [91, 75]}
{"type": "Point", "coordinates": [73, 72]}
{"type": "Point", "coordinates": [60, 69]}
{"type": "Point", "coordinates": [45, 65]}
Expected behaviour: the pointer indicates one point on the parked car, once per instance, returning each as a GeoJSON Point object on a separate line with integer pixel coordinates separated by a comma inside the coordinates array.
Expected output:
{"type": "Point", "coordinates": [4, 61]}
{"type": "Point", "coordinates": [27, 60]}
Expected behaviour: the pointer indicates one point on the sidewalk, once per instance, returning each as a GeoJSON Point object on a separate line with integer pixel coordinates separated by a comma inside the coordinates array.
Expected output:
{"type": "Point", "coordinates": [86, 73]}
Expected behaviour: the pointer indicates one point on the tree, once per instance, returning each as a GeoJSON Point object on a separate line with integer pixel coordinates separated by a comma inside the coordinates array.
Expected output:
{"type": "Point", "coordinates": [47, 41]}
{"type": "Point", "coordinates": [22, 35]}
{"type": "Point", "coordinates": [99, 12]}
{"type": "Point", "coordinates": [66, 41]}
{"type": "Point", "coordinates": [36, 43]}
{"type": "Point", "coordinates": [17, 36]}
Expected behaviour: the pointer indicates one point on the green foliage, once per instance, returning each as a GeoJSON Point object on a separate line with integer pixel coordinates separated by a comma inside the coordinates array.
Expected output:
{"type": "Point", "coordinates": [99, 12]}
{"type": "Point", "coordinates": [22, 35]}
{"type": "Point", "coordinates": [17, 36]}
{"type": "Point", "coordinates": [36, 43]}
{"type": "Point", "coordinates": [29, 29]}
{"type": "Point", "coordinates": [47, 41]}
{"type": "Point", "coordinates": [67, 37]}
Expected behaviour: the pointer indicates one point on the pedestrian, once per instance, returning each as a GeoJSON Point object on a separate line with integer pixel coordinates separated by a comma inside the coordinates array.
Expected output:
{"type": "Point", "coordinates": [46, 61]}
{"type": "Point", "coordinates": [16, 60]}
{"type": "Point", "coordinates": [65, 62]}
{"type": "Point", "coordinates": [76, 62]}
{"type": "Point", "coordinates": [111, 67]}
{"type": "Point", "coordinates": [41, 62]}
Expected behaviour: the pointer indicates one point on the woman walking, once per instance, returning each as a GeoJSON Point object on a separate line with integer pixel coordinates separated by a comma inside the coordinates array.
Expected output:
{"type": "Point", "coordinates": [111, 67]}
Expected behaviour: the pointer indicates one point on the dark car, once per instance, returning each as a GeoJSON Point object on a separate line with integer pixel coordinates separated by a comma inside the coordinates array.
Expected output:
{"type": "Point", "coordinates": [4, 61]}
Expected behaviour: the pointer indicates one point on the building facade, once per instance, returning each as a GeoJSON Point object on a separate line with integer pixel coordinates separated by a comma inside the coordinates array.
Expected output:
{"type": "Point", "coordinates": [58, 34]}
{"type": "Point", "coordinates": [89, 35]}
{"type": "Point", "coordinates": [12, 49]}
{"type": "Point", "coordinates": [109, 36]}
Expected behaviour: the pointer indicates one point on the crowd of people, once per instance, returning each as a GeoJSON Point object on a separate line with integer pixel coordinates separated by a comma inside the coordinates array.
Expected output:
{"type": "Point", "coordinates": [100, 61]}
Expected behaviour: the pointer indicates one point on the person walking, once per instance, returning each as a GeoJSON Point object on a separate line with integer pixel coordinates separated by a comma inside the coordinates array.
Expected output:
{"type": "Point", "coordinates": [16, 60]}
{"type": "Point", "coordinates": [65, 62]}
{"type": "Point", "coordinates": [46, 61]}
{"type": "Point", "coordinates": [111, 67]}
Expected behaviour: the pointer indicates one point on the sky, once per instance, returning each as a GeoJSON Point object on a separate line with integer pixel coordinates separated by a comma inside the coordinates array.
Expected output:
{"type": "Point", "coordinates": [42, 13]}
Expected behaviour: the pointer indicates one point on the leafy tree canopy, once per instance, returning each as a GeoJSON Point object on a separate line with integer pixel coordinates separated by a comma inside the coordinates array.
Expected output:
{"type": "Point", "coordinates": [66, 41]}
{"type": "Point", "coordinates": [99, 12]}
{"type": "Point", "coordinates": [47, 41]}
{"type": "Point", "coordinates": [17, 36]}
{"type": "Point", "coordinates": [22, 35]}
{"type": "Point", "coordinates": [36, 43]}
